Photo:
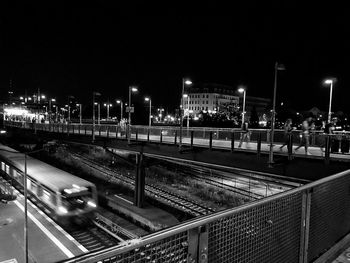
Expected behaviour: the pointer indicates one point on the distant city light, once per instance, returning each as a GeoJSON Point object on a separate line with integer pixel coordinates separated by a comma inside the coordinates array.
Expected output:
{"type": "Point", "coordinates": [29, 98]}
{"type": "Point", "coordinates": [43, 96]}
{"type": "Point", "coordinates": [134, 89]}
{"type": "Point", "coordinates": [21, 98]}
{"type": "Point", "coordinates": [14, 111]}
{"type": "Point", "coordinates": [185, 95]}
{"type": "Point", "coordinates": [118, 101]}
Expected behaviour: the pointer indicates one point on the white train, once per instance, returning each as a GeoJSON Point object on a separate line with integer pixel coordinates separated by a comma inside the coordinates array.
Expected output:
{"type": "Point", "coordinates": [65, 196]}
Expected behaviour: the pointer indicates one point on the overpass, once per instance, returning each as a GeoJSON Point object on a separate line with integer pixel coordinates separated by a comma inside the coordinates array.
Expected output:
{"type": "Point", "coordinates": [307, 224]}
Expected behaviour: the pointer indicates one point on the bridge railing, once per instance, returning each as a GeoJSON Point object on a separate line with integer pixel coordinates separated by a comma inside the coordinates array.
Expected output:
{"type": "Point", "coordinates": [295, 226]}
{"type": "Point", "coordinates": [224, 138]}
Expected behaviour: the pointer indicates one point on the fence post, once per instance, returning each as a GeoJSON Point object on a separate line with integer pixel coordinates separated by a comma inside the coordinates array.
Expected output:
{"type": "Point", "coordinates": [139, 195]}
{"type": "Point", "coordinates": [290, 146]}
{"type": "Point", "coordinates": [210, 140]}
{"type": "Point", "coordinates": [305, 226]}
{"type": "Point", "coordinates": [232, 141]}
{"type": "Point", "coordinates": [137, 134]}
{"type": "Point", "coordinates": [192, 133]}
{"type": "Point", "coordinates": [85, 129]}
{"type": "Point", "coordinates": [175, 137]}
{"type": "Point", "coordinates": [161, 136]}
{"type": "Point", "coordinates": [259, 145]}
{"type": "Point", "coordinates": [147, 134]}
{"type": "Point", "coordinates": [198, 244]}
{"type": "Point", "coordinates": [107, 132]}
{"type": "Point", "coordinates": [327, 149]}
{"type": "Point", "coordinates": [99, 130]}
{"type": "Point", "coordinates": [73, 128]}
{"type": "Point", "coordinates": [67, 129]}
{"type": "Point", "coordinates": [116, 131]}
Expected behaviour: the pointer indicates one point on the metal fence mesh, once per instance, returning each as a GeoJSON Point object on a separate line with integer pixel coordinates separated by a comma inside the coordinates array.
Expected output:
{"type": "Point", "coordinates": [265, 232]}
{"type": "Point", "coordinates": [172, 249]}
{"type": "Point", "coordinates": [330, 215]}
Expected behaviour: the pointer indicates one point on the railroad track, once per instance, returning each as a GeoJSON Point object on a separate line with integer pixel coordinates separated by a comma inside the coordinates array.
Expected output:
{"type": "Point", "coordinates": [217, 178]}
{"type": "Point", "coordinates": [161, 195]}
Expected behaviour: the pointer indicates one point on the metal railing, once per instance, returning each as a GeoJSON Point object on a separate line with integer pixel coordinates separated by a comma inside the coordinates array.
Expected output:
{"type": "Point", "coordinates": [295, 226]}
{"type": "Point", "coordinates": [213, 138]}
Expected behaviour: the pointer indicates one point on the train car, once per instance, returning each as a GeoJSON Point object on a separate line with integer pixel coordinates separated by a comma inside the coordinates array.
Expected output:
{"type": "Point", "coordinates": [66, 197]}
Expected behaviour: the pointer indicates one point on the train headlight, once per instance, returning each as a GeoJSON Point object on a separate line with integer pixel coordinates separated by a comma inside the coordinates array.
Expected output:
{"type": "Point", "coordinates": [62, 210]}
{"type": "Point", "coordinates": [92, 204]}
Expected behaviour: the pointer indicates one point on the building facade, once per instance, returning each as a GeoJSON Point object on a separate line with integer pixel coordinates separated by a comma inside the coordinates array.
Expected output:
{"type": "Point", "coordinates": [208, 98]}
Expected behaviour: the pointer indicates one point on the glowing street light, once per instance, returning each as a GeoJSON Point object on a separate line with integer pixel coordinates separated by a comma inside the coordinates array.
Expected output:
{"type": "Point", "coordinates": [150, 111]}
{"type": "Point", "coordinates": [330, 82]}
{"type": "Point", "coordinates": [80, 113]}
{"type": "Point", "coordinates": [121, 108]}
{"type": "Point", "coordinates": [184, 82]}
{"type": "Point", "coordinates": [93, 113]}
{"type": "Point", "coordinates": [131, 90]}
{"type": "Point", "coordinates": [107, 105]}
{"type": "Point", "coordinates": [243, 90]}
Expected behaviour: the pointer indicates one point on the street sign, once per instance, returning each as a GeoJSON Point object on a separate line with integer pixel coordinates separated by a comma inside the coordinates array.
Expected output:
{"type": "Point", "coordinates": [131, 109]}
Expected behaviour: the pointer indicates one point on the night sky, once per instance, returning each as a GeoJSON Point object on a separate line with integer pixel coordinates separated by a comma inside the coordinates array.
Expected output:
{"type": "Point", "coordinates": [70, 50]}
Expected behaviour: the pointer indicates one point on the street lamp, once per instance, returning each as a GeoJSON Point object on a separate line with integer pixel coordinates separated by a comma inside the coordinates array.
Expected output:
{"type": "Point", "coordinates": [277, 68]}
{"type": "Point", "coordinates": [188, 109]}
{"type": "Point", "coordinates": [150, 111]}
{"type": "Point", "coordinates": [131, 90]}
{"type": "Point", "coordinates": [93, 113]}
{"type": "Point", "coordinates": [80, 113]}
{"type": "Point", "coordinates": [330, 82]}
{"type": "Point", "coordinates": [121, 109]}
{"type": "Point", "coordinates": [184, 82]}
{"type": "Point", "coordinates": [107, 105]}
{"type": "Point", "coordinates": [243, 90]}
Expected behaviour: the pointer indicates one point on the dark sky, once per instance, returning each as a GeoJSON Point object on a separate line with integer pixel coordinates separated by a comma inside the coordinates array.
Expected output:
{"type": "Point", "coordinates": [71, 50]}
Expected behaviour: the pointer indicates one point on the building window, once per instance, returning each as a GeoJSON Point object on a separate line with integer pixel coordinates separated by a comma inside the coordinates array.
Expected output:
{"type": "Point", "coordinates": [207, 96]}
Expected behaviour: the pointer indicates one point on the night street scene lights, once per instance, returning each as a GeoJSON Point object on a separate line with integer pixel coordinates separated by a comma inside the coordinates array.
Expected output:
{"type": "Point", "coordinates": [132, 89]}
{"type": "Point", "coordinates": [80, 113]}
{"type": "Point", "coordinates": [108, 105]}
{"type": "Point", "coordinates": [330, 82]}
{"type": "Point", "coordinates": [94, 94]}
{"type": "Point", "coordinates": [242, 89]}
{"type": "Point", "coordinates": [148, 99]}
{"type": "Point", "coordinates": [121, 109]}
{"type": "Point", "coordinates": [185, 82]}
{"type": "Point", "coordinates": [277, 68]}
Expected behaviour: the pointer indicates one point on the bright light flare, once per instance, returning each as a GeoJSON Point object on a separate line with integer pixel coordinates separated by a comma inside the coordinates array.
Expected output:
{"type": "Point", "coordinates": [188, 82]}
{"type": "Point", "coordinates": [328, 81]}
{"type": "Point", "coordinates": [134, 89]}
{"type": "Point", "coordinates": [241, 90]}
{"type": "Point", "coordinates": [147, 99]}
{"type": "Point", "coordinates": [14, 111]}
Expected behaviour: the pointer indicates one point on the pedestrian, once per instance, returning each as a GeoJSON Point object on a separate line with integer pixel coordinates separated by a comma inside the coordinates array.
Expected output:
{"type": "Point", "coordinates": [328, 130]}
{"type": "Point", "coordinates": [245, 134]}
{"type": "Point", "coordinates": [287, 133]}
{"type": "Point", "coordinates": [305, 135]}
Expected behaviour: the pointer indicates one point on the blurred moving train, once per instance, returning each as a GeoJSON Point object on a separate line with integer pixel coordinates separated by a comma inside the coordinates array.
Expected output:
{"type": "Point", "coordinates": [66, 197]}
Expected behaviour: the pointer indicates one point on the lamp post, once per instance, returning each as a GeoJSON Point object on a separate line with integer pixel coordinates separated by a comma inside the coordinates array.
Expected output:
{"type": "Point", "coordinates": [107, 105]}
{"type": "Point", "coordinates": [330, 82]}
{"type": "Point", "coordinates": [93, 113]}
{"type": "Point", "coordinates": [184, 82]}
{"type": "Point", "coordinates": [243, 90]}
{"type": "Point", "coordinates": [277, 68]}
{"type": "Point", "coordinates": [80, 113]}
{"type": "Point", "coordinates": [121, 109]}
{"type": "Point", "coordinates": [188, 109]}
{"type": "Point", "coordinates": [131, 90]}
{"type": "Point", "coordinates": [150, 111]}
